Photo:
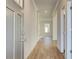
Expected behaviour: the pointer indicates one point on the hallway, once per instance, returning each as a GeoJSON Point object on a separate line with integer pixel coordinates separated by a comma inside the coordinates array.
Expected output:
{"type": "Point", "coordinates": [43, 51]}
{"type": "Point", "coordinates": [38, 29]}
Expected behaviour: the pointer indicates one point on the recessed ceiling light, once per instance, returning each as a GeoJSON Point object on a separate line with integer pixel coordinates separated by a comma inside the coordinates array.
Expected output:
{"type": "Point", "coordinates": [45, 11]}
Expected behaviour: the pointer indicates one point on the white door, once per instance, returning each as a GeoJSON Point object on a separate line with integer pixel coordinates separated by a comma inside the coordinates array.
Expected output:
{"type": "Point", "coordinates": [69, 30]}
{"type": "Point", "coordinates": [14, 35]}
{"type": "Point", "coordinates": [9, 33]}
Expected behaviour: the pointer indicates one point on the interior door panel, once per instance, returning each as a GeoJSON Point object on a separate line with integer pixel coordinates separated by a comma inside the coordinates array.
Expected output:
{"type": "Point", "coordinates": [14, 35]}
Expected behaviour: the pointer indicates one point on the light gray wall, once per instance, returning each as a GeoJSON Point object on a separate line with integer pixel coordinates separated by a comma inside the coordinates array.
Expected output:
{"type": "Point", "coordinates": [30, 27]}
{"type": "Point", "coordinates": [58, 10]}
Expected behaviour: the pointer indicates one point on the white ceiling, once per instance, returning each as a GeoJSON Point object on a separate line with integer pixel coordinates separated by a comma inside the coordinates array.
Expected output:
{"type": "Point", "coordinates": [45, 5]}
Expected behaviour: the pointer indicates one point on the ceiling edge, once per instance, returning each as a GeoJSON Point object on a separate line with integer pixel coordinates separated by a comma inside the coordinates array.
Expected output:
{"type": "Point", "coordinates": [56, 5]}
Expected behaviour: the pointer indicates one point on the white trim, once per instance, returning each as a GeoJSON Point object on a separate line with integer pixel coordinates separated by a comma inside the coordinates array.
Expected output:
{"type": "Point", "coordinates": [56, 5]}
{"type": "Point", "coordinates": [14, 38]}
{"type": "Point", "coordinates": [13, 9]}
{"type": "Point", "coordinates": [62, 30]}
{"type": "Point", "coordinates": [34, 4]}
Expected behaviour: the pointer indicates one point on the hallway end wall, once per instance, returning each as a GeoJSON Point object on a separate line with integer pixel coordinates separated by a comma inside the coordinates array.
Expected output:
{"type": "Point", "coordinates": [41, 22]}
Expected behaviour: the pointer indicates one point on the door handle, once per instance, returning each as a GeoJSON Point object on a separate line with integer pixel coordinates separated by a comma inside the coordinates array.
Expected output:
{"type": "Point", "coordinates": [70, 51]}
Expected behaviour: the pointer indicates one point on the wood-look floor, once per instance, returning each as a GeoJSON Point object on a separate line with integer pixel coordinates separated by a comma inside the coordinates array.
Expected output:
{"type": "Point", "coordinates": [45, 51]}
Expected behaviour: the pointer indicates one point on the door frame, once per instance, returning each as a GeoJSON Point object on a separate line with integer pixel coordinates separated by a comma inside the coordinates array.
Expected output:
{"type": "Point", "coordinates": [69, 30]}
{"type": "Point", "coordinates": [63, 17]}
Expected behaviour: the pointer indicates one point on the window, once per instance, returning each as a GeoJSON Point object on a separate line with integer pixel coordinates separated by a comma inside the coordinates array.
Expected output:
{"type": "Point", "coordinates": [47, 28]}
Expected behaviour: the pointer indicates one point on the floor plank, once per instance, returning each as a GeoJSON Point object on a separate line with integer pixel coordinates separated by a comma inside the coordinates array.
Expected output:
{"type": "Point", "coordinates": [45, 51]}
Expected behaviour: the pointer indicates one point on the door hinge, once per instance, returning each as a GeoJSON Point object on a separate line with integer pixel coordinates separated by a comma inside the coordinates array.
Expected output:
{"type": "Point", "coordinates": [64, 50]}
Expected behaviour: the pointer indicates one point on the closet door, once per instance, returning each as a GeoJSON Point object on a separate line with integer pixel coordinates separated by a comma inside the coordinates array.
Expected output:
{"type": "Point", "coordinates": [17, 36]}
{"type": "Point", "coordinates": [9, 33]}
